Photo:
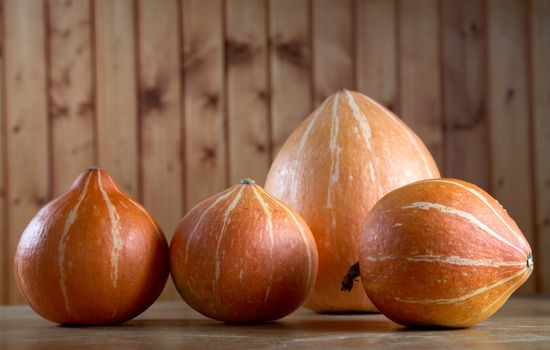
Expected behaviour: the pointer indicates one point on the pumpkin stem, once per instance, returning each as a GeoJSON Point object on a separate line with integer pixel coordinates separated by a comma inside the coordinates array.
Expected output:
{"type": "Point", "coordinates": [347, 281]}
{"type": "Point", "coordinates": [530, 260]}
{"type": "Point", "coordinates": [247, 181]}
{"type": "Point", "coordinates": [94, 168]}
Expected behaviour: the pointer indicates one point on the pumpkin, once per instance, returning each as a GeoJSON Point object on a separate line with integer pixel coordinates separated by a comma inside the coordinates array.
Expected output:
{"type": "Point", "coordinates": [243, 256]}
{"type": "Point", "coordinates": [332, 169]}
{"type": "Point", "coordinates": [441, 253]}
{"type": "Point", "coordinates": [92, 256]}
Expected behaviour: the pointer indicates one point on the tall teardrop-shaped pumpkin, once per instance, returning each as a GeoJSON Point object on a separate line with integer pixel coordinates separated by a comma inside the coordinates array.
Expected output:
{"type": "Point", "coordinates": [333, 168]}
{"type": "Point", "coordinates": [92, 256]}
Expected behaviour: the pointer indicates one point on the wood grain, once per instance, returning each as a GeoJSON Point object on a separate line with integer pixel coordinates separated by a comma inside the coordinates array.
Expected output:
{"type": "Point", "coordinates": [160, 115]}
{"type": "Point", "coordinates": [71, 105]}
{"type": "Point", "coordinates": [333, 47]}
{"type": "Point", "coordinates": [420, 79]}
{"type": "Point", "coordinates": [464, 91]}
{"type": "Point", "coordinates": [520, 324]}
{"type": "Point", "coordinates": [376, 45]}
{"type": "Point", "coordinates": [540, 90]}
{"type": "Point", "coordinates": [290, 54]}
{"type": "Point", "coordinates": [26, 120]}
{"type": "Point", "coordinates": [182, 99]}
{"type": "Point", "coordinates": [116, 89]}
{"type": "Point", "coordinates": [204, 98]}
{"type": "Point", "coordinates": [247, 89]}
{"type": "Point", "coordinates": [509, 114]}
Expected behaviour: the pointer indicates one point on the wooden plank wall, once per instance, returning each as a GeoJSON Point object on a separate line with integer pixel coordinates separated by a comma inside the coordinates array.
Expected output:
{"type": "Point", "coordinates": [178, 99]}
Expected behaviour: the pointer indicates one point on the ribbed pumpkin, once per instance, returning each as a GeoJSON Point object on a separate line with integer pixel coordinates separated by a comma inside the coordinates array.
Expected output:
{"type": "Point", "coordinates": [91, 256]}
{"type": "Point", "coordinates": [243, 256]}
{"type": "Point", "coordinates": [441, 252]}
{"type": "Point", "coordinates": [332, 169]}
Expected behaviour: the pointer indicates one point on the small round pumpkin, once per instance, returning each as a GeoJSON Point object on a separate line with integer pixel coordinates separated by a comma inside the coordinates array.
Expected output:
{"type": "Point", "coordinates": [243, 256]}
{"type": "Point", "coordinates": [441, 252]}
{"type": "Point", "coordinates": [92, 256]}
{"type": "Point", "coordinates": [332, 169]}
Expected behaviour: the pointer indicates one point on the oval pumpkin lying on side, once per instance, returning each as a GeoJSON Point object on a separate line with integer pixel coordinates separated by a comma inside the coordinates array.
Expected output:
{"type": "Point", "coordinates": [441, 252]}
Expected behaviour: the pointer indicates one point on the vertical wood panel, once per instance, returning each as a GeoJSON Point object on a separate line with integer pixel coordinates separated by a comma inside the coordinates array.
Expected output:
{"type": "Point", "coordinates": [540, 77]}
{"type": "Point", "coordinates": [205, 141]}
{"type": "Point", "coordinates": [70, 91]}
{"type": "Point", "coordinates": [4, 280]}
{"type": "Point", "coordinates": [160, 114]}
{"type": "Point", "coordinates": [290, 54]}
{"type": "Point", "coordinates": [420, 81]}
{"type": "Point", "coordinates": [464, 95]}
{"type": "Point", "coordinates": [117, 144]}
{"type": "Point", "coordinates": [377, 51]}
{"type": "Point", "coordinates": [26, 114]}
{"type": "Point", "coordinates": [333, 47]}
{"type": "Point", "coordinates": [247, 89]}
{"type": "Point", "coordinates": [509, 113]}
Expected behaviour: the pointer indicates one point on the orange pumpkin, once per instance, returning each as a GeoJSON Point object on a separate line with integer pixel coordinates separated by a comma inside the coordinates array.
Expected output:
{"type": "Point", "coordinates": [333, 168]}
{"type": "Point", "coordinates": [91, 256]}
{"type": "Point", "coordinates": [243, 256]}
{"type": "Point", "coordinates": [441, 252]}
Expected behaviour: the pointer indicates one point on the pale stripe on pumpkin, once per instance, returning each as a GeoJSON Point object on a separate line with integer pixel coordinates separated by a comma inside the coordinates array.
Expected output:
{"type": "Point", "coordinates": [463, 214]}
{"type": "Point", "coordinates": [508, 291]}
{"type": "Point", "coordinates": [334, 174]}
{"type": "Point", "coordinates": [457, 260]}
{"type": "Point", "coordinates": [115, 231]}
{"type": "Point", "coordinates": [71, 218]}
{"type": "Point", "coordinates": [226, 221]}
{"type": "Point", "coordinates": [449, 260]}
{"type": "Point", "coordinates": [267, 212]}
{"type": "Point", "coordinates": [220, 198]}
{"type": "Point", "coordinates": [483, 313]}
{"type": "Point", "coordinates": [361, 119]}
{"type": "Point", "coordinates": [463, 297]}
{"type": "Point", "coordinates": [486, 202]}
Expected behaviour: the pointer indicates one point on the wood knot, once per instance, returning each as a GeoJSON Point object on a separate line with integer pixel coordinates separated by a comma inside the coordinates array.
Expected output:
{"type": "Point", "coordinates": [151, 99]}
{"type": "Point", "coordinates": [264, 95]}
{"type": "Point", "coordinates": [474, 28]}
{"type": "Point", "coordinates": [510, 93]}
{"type": "Point", "coordinates": [58, 111]}
{"type": "Point", "coordinates": [476, 120]}
{"type": "Point", "coordinates": [208, 153]}
{"type": "Point", "coordinates": [84, 108]}
{"type": "Point", "coordinates": [212, 101]}
{"type": "Point", "coordinates": [237, 51]}
{"type": "Point", "coordinates": [260, 147]}
{"type": "Point", "coordinates": [292, 51]}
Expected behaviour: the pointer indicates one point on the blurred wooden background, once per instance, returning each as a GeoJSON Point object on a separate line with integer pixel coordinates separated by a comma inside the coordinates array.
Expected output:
{"type": "Point", "coordinates": [180, 99]}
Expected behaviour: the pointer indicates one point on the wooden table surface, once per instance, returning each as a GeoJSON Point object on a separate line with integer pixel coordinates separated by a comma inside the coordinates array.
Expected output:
{"type": "Point", "coordinates": [523, 323]}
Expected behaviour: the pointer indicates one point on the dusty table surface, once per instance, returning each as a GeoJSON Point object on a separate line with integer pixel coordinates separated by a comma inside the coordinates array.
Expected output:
{"type": "Point", "coordinates": [523, 323]}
